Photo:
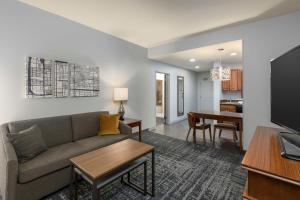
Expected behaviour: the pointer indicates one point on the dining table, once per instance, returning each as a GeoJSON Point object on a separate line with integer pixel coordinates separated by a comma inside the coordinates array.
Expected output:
{"type": "Point", "coordinates": [226, 117]}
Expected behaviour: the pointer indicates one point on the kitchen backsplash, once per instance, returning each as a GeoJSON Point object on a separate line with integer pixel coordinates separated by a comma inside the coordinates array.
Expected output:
{"type": "Point", "coordinates": [231, 95]}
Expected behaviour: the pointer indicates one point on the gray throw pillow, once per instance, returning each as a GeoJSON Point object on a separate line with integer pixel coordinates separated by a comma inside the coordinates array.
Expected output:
{"type": "Point", "coordinates": [28, 143]}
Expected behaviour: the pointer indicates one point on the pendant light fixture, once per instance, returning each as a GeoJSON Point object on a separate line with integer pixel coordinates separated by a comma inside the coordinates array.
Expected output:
{"type": "Point", "coordinates": [218, 72]}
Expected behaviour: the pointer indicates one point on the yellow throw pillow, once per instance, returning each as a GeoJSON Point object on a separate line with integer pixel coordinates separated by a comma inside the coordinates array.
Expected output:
{"type": "Point", "coordinates": [109, 124]}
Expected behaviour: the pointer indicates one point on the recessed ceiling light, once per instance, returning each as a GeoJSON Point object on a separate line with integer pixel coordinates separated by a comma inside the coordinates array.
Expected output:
{"type": "Point", "coordinates": [233, 54]}
{"type": "Point", "coordinates": [197, 67]}
{"type": "Point", "coordinates": [193, 60]}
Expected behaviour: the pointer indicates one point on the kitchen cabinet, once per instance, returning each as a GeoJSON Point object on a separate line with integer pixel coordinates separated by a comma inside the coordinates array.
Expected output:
{"type": "Point", "coordinates": [226, 85]}
{"type": "Point", "coordinates": [236, 81]}
{"type": "Point", "coordinates": [240, 80]}
{"type": "Point", "coordinates": [227, 108]}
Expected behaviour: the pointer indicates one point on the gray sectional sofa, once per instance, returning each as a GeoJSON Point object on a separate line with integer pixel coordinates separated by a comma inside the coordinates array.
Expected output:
{"type": "Point", "coordinates": [66, 137]}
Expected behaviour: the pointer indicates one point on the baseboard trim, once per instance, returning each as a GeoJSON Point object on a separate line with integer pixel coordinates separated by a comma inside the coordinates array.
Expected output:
{"type": "Point", "coordinates": [137, 132]}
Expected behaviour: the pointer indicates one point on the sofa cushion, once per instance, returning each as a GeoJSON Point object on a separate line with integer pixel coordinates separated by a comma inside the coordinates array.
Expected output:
{"type": "Point", "coordinates": [96, 142]}
{"type": "Point", "coordinates": [86, 125]}
{"type": "Point", "coordinates": [109, 124]}
{"type": "Point", "coordinates": [58, 157]}
{"type": "Point", "coordinates": [54, 159]}
{"type": "Point", "coordinates": [28, 143]}
{"type": "Point", "coordinates": [55, 130]}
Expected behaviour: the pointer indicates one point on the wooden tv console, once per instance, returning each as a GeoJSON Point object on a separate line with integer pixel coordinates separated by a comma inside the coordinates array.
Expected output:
{"type": "Point", "coordinates": [270, 176]}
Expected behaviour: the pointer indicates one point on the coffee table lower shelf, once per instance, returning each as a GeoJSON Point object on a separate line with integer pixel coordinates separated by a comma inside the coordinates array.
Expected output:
{"type": "Point", "coordinates": [119, 173]}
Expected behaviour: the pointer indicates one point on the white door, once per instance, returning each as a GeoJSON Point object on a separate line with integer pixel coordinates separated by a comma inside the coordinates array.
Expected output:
{"type": "Point", "coordinates": [206, 95]}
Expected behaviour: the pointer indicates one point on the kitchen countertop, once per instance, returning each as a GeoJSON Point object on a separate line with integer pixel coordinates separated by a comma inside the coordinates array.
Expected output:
{"type": "Point", "coordinates": [232, 102]}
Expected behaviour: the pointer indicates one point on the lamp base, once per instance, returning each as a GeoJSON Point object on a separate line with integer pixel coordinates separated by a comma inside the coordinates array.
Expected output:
{"type": "Point", "coordinates": [121, 111]}
{"type": "Point", "coordinates": [121, 115]}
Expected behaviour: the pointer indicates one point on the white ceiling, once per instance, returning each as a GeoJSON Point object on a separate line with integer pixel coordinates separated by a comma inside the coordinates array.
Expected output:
{"type": "Point", "coordinates": [206, 56]}
{"type": "Point", "coordinates": [153, 22]}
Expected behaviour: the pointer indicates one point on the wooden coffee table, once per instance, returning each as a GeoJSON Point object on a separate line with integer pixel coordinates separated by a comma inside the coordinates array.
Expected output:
{"type": "Point", "coordinates": [110, 162]}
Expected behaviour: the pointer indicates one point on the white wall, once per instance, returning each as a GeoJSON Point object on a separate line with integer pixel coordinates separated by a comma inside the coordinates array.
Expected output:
{"type": "Point", "coordinates": [217, 94]}
{"type": "Point", "coordinates": [262, 41]}
{"type": "Point", "coordinates": [190, 90]}
{"type": "Point", "coordinates": [27, 31]}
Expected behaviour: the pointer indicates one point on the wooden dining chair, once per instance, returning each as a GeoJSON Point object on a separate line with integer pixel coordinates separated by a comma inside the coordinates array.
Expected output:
{"type": "Point", "coordinates": [226, 126]}
{"type": "Point", "coordinates": [193, 120]}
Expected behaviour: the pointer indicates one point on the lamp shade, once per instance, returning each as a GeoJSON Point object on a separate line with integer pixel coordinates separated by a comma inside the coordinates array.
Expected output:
{"type": "Point", "coordinates": [120, 94]}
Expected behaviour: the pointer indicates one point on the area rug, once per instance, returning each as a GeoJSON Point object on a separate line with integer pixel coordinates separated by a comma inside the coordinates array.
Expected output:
{"type": "Point", "coordinates": [183, 171]}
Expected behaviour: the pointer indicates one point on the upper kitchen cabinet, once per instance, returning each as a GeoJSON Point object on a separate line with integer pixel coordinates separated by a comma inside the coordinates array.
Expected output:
{"type": "Point", "coordinates": [236, 81]}
{"type": "Point", "coordinates": [226, 85]}
{"type": "Point", "coordinates": [240, 80]}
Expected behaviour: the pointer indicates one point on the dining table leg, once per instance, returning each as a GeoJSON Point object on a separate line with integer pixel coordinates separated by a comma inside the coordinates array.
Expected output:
{"type": "Point", "coordinates": [241, 135]}
{"type": "Point", "coordinates": [194, 135]}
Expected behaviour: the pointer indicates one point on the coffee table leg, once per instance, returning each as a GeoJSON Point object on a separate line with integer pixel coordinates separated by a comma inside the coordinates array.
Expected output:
{"type": "Point", "coordinates": [95, 195]}
{"type": "Point", "coordinates": [128, 177]}
{"type": "Point", "coordinates": [153, 173]}
{"type": "Point", "coordinates": [73, 189]}
{"type": "Point", "coordinates": [72, 183]}
{"type": "Point", "coordinates": [145, 178]}
{"type": "Point", "coordinates": [75, 185]}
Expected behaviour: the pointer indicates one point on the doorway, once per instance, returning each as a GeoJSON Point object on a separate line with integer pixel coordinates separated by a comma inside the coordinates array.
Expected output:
{"type": "Point", "coordinates": [161, 91]}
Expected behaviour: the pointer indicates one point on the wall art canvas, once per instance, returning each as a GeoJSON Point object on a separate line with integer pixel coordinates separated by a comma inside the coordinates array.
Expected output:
{"type": "Point", "coordinates": [62, 79]}
{"type": "Point", "coordinates": [84, 81]}
{"type": "Point", "coordinates": [39, 76]}
{"type": "Point", "coordinates": [47, 78]}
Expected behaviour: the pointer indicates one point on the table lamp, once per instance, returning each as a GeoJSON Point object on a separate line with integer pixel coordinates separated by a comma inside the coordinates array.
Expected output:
{"type": "Point", "coordinates": [121, 94]}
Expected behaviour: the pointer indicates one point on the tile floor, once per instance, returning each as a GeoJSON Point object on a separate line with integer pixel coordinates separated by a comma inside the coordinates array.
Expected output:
{"type": "Point", "coordinates": [179, 130]}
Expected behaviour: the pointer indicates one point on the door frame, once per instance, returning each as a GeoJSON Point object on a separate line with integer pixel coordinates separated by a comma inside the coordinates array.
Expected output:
{"type": "Point", "coordinates": [166, 97]}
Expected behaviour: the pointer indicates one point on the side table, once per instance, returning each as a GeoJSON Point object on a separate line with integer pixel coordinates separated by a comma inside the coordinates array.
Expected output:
{"type": "Point", "coordinates": [134, 123]}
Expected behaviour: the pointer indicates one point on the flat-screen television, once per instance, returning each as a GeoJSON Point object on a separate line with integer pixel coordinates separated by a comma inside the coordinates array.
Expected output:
{"type": "Point", "coordinates": [285, 90]}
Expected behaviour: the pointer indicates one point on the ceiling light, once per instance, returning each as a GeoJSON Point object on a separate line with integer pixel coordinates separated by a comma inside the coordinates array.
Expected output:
{"type": "Point", "coordinates": [226, 73]}
{"type": "Point", "coordinates": [233, 54]}
{"type": "Point", "coordinates": [197, 67]}
{"type": "Point", "coordinates": [218, 72]}
{"type": "Point", "coordinates": [193, 60]}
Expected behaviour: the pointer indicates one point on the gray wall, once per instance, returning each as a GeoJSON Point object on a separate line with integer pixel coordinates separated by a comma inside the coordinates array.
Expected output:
{"type": "Point", "coordinates": [262, 41]}
{"type": "Point", "coordinates": [27, 31]}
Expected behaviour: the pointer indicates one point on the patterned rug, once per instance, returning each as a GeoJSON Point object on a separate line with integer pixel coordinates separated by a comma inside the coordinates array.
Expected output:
{"type": "Point", "coordinates": [183, 171]}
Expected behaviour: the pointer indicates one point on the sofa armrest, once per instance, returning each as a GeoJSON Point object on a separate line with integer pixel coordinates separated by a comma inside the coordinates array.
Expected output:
{"type": "Point", "coordinates": [124, 129]}
{"type": "Point", "coordinates": [8, 166]}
